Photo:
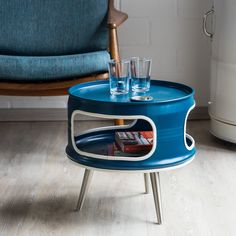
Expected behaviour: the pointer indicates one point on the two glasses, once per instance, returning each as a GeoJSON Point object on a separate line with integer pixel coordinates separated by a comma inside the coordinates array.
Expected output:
{"type": "Point", "coordinates": [137, 69]}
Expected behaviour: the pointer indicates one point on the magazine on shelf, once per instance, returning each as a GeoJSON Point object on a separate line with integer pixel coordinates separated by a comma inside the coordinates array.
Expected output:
{"type": "Point", "coordinates": [113, 150]}
{"type": "Point", "coordinates": [137, 142]}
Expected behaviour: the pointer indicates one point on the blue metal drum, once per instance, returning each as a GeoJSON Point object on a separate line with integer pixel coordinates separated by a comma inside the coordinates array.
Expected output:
{"type": "Point", "coordinates": [166, 115]}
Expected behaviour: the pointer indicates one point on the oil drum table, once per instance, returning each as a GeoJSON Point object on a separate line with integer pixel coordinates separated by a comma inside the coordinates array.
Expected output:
{"type": "Point", "coordinates": [166, 115]}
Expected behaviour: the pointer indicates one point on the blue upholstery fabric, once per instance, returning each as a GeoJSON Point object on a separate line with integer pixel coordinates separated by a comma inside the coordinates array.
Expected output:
{"type": "Point", "coordinates": [52, 39]}
{"type": "Point", "coordinates": [52, 27]}
{"type": "Point", "coordinates": [29, 68]}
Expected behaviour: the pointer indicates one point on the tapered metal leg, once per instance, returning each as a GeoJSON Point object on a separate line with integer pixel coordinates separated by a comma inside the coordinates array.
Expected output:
{"type": "Point", "coordinates": [155, 180]}
{"type": "Point", "coordinates": [84, 188]}
{"type": "Point", "coordinates": [146, 182]}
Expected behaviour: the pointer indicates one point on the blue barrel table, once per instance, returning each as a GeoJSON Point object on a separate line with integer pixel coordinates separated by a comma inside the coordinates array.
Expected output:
{"type": "Point", "coordinates": [166, 115]}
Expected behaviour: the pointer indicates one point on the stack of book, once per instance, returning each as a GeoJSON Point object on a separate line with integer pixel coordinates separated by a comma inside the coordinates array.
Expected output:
{"type": "Point", "coordinates": [136, 143]}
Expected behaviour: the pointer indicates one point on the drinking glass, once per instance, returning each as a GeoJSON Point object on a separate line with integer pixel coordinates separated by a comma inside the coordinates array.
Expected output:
{"type": "Point", "coordinates": [119, 75]}
{"type": "Point", "coordinates": [140, 74]}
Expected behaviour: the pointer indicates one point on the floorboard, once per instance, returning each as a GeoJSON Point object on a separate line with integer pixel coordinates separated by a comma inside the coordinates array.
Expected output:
{"type": "Point", "coordinates": [39, 187]}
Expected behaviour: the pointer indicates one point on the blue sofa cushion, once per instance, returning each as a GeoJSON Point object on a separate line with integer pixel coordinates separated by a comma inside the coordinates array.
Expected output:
{"type": "Point", "coordinates": [52, 27]}
{"type": "Point", "coordinates": [41, 68]}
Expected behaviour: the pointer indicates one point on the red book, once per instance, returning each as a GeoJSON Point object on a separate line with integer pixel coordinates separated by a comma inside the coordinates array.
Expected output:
{"type": "Point", "coordinates": [134, 142]}
{"type": "Point", "coordinates": [113, 150]}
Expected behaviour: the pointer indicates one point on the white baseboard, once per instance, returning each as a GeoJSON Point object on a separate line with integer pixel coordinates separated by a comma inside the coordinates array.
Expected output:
{"type": "Point", "coordinates": [60, 114]}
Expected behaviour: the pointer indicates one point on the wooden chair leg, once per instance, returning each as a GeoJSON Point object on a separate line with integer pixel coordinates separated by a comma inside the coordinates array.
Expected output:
{"type": "Point", "coordinates": [119, 122]}
{"type": "Point", "coordinates": [115, 54]}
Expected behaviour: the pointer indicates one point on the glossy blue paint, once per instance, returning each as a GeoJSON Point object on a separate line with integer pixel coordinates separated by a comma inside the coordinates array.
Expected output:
{"type": "Point", "coordinates": [161, 91]}
{"type": "Point", "coordinates": [168, 109]}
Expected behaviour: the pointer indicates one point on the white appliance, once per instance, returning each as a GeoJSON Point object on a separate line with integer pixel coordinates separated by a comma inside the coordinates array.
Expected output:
{"type": "Point", "coordinates": [222, 104]}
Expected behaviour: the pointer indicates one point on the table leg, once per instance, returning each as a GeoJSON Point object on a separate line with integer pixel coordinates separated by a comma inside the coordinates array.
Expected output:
{"type": "Point", "coordinates": [146, 182]}
{"type": "Point", "coordinates": [155, 180]}
{"type": "Point", "coordinates": [84, 188]}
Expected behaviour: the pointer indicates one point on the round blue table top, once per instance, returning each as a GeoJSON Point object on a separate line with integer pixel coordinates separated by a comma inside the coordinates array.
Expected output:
{"type": "Point", "coordinates": [160, 91]}
{"type": "Point", "coordinates": [166, 115]}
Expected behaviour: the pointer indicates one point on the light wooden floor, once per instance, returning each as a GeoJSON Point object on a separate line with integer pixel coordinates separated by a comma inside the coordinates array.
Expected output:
{"type": "Point", "coordinates": [39, 188]}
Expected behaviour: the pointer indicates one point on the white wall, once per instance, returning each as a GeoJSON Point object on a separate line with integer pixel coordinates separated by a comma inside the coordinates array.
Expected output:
{"type": "Point", "coordinates": [169, 32]}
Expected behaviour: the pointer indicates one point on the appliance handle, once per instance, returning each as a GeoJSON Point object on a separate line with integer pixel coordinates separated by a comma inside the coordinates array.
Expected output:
{"type": "Point", "coordinates": [206, 32]}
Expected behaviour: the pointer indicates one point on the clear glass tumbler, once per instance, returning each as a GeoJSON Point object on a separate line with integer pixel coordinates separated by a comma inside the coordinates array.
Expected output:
{"type": "Point", "coordinates": [119, 75]}
{"type": "Point", "coordinates": [140, 74]}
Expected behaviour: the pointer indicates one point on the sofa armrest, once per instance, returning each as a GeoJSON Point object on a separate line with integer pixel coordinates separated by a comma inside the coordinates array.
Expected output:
{"type": "Point", "coordinates": [115, 17]}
